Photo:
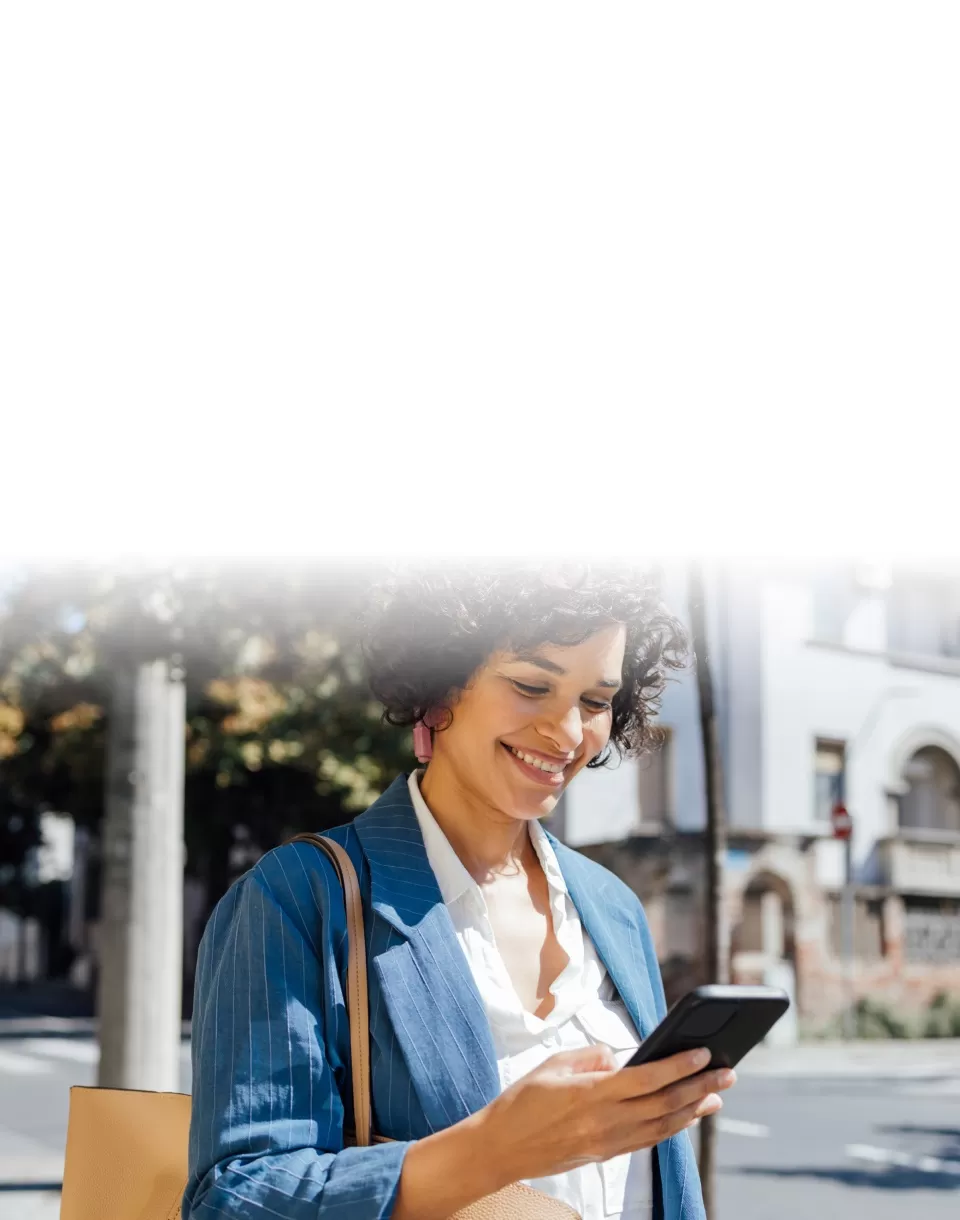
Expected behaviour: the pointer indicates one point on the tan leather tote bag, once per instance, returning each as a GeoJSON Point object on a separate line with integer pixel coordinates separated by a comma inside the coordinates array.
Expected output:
{"type": "Point", "coordinates": [126, 1156]}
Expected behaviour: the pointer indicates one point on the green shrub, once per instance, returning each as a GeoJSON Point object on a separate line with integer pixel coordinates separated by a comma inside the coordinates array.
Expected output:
{"type": "Point", "coordinates": [942, 1017]}
{"type": "Point", "coordinates": [874, 1020]}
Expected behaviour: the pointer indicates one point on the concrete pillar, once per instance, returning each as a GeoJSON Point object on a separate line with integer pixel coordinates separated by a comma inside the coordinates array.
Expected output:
{"type": "Point", "coordinates": [785, 1032]}
{"type": "Point", "coordinates": [778, 972]}
{"type": "Point", "coordinates": [141, 939]}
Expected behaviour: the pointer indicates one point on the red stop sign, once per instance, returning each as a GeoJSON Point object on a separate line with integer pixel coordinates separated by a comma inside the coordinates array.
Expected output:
{"type": "Point", "coordinates": [841, 821]}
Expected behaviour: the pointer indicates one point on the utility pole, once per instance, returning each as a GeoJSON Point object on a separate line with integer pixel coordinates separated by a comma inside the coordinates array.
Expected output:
{"type": "Point", "coordinates": [717, 933]}
{"type": "Point", "coordinates": [141, 939]}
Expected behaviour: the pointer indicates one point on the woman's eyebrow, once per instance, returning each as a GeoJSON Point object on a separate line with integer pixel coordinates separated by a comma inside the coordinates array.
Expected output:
{"type": "Point", "coordinates": [553, 668]}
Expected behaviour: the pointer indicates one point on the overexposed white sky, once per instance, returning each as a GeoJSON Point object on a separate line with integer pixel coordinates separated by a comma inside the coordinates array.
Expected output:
{"type": "Point", "coordinates": [359, 279]}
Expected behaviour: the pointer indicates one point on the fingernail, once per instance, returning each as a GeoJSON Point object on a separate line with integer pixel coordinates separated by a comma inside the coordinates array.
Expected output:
{"type": "Point", "coordinates": [700, 1058]}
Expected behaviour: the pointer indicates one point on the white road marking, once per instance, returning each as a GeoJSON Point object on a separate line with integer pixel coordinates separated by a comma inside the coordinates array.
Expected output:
{"type": "Point", "coordinates": [889, 1156]}
{"type": "Point", "coordinates": [736, 1126]}
{"type": "Point", "coordinates": [850, 1068]}
{"type": "Point", "coordinates": [932, 1088]}
{"type": "Point", "coordinates": [12, 1064]}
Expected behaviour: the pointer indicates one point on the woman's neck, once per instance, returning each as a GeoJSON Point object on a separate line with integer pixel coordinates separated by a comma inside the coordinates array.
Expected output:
{"type": "Point", "coordinates": [489, 842]}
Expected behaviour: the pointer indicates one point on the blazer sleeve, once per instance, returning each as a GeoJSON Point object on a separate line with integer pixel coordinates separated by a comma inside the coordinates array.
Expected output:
{"type": "Point", "coordinates": [266, 1130]}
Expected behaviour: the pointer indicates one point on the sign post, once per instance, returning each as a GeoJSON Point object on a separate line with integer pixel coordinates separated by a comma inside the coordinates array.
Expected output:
{"type": "Point", "coordinates": [842, 824]}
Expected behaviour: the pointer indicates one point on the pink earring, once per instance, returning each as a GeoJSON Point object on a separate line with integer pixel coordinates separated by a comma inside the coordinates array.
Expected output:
{"type": "Point", "coordinates": [422, 742]}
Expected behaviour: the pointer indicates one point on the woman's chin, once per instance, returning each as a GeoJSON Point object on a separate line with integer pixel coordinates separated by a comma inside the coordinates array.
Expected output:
{"type": "Point", "coordinates": [533, 806]}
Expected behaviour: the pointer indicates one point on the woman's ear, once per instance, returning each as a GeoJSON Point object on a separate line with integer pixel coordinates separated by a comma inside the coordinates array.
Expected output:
{"type": "Point", "coordinates": [438, 718]}
{"type": "Point", "coordinates": [435, 718]}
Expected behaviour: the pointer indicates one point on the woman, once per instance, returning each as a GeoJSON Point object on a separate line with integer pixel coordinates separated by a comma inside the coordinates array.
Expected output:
{"type": "Point", "coordinates": [509, 976]}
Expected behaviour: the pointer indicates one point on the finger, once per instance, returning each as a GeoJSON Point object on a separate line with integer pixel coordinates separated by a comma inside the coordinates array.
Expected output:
{"type": "Point", "coordinates": [652, 1077]}
{"type": "Point", "coordinates": [679, 1120]}
{"type": "Point", "coordinates": [690, 1092]}
{"type": "Point", "coordinates": [678, 1099]}
{"type": "Point", "coordinates": [596, 1058]}
{"type": "Point", "coordinates": [655, 1131]}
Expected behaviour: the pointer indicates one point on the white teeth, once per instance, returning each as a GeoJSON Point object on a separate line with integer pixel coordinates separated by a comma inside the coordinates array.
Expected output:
{"type": "Point", "coordinates": [550, 768]}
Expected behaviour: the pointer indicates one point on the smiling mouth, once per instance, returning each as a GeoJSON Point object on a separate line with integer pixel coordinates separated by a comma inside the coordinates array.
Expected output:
{"type": "Point", "coordinates": [538, 764]}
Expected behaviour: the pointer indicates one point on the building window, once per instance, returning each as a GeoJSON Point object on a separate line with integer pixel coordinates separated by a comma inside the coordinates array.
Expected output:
{"type": "Point", "coordinates": [654, 787]}
{"type": "Point", "coordinates": [932, 798]}
{"type": "Point", "coordinates": [924, 616]}
{"type": "Point", "coordinates": [829, 785]}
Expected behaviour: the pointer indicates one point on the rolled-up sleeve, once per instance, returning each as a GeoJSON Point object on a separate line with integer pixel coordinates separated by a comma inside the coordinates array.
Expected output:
{"type": "Point", "coordinates": [266, 1131]}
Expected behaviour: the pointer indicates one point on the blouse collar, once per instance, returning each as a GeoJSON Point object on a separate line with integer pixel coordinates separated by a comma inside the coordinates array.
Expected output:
{"type": "Point", "coordinates": [452, 875]}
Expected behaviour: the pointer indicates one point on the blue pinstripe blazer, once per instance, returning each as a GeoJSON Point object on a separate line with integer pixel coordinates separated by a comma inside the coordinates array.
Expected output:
{"type": "Point", "coordinates": [271, 1041]}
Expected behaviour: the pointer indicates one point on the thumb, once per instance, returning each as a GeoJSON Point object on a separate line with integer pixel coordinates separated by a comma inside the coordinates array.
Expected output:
{"type": "Point", "coordinates": [597, 1058]}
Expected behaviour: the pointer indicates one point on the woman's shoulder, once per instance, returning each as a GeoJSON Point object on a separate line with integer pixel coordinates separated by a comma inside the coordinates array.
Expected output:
{"type": "Point", "coordinates": [294, 882]}
{"type": "Point", "coordinates": [292, 868]}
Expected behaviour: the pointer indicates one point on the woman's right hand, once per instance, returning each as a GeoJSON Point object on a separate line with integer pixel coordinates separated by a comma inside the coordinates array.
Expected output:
{"type": "Point", "coordinates": [579, 1107]}
{"type": "Point", "coordinates": [575, 1108]}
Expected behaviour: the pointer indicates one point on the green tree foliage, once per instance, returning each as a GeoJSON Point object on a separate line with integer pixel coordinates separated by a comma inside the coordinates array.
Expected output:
{"type": "Point", "coordinates": [282, 734]}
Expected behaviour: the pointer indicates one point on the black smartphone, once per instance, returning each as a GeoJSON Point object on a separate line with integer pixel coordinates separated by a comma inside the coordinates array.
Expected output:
{"type": "Point", "coordinates": [727, 1020]}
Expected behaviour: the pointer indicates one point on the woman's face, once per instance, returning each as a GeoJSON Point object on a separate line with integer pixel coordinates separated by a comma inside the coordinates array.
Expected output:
{"type": "Point", "coordinates": [526, 724]}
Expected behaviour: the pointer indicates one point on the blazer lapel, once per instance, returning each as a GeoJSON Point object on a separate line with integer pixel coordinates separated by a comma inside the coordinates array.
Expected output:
{"type": "Point", "coordinates": [677, 1194]}
{"type": "Point", "coordinates": [614, 934]}
{"type": "Point", "coordinates": [426, 983]}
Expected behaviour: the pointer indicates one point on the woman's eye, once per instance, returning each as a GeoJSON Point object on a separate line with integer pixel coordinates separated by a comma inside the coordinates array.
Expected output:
{"type": "Point", "coordinates": [530, 691]}
{"type": "Point", "coordinates": [598, 705]}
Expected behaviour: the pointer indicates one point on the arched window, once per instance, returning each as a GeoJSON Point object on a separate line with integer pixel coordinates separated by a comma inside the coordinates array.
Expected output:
{"type": "Point", "coordinates": [932, 797]}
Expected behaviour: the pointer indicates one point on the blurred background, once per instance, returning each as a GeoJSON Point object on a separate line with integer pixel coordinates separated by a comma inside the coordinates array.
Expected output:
{"type": "Point", "coordinates": [163, 725]}
{"type": "Point", "coordinates": [356, 282]}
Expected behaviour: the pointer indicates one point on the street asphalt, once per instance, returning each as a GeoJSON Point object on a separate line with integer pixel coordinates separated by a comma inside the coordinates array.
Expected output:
{"type": "Point", "coordinates": [819, 1131]}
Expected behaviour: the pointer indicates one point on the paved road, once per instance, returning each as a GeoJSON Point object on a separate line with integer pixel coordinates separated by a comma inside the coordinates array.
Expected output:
{"type": "Point", "coordinates": [872, 1131]}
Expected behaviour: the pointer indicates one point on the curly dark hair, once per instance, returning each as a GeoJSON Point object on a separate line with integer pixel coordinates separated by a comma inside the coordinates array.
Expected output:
{"type": "Point", "coordinates": [431, 628]}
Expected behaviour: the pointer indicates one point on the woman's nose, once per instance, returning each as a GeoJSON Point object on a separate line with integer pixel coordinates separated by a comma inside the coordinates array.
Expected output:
{"type": "Point", "coordinates": [566, 731]}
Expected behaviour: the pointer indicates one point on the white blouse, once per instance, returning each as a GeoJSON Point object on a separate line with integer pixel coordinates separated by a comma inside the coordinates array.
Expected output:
{"type": "Point", "coordinates": [587, 1010]}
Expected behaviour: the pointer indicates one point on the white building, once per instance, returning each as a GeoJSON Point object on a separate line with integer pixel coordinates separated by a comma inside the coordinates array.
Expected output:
{"type": "Point", "coordinates": [831, 683]}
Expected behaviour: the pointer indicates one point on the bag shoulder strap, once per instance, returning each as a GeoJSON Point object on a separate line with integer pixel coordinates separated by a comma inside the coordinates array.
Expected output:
{"type": "Point", "coordinates": [357, 1000]}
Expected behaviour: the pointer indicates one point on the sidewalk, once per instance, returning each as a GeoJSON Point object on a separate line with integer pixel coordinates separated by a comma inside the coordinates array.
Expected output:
{"type": "Point", "coordinates": [30, 1205]}
{"type": "Point", "coordinates": [920, 1059]}
{"type": "Point", "coordinates": [51, 1013]}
